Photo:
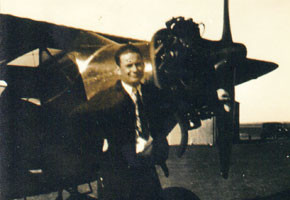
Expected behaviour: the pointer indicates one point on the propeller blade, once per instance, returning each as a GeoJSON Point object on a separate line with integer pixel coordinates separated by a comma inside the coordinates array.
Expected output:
{"type": "Point", "coordinates": [227, 35]}
{"type": "Point", "coordinates": [225, 127]}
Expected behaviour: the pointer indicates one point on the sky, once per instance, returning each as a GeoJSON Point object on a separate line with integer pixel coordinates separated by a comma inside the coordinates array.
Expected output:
{"type": "Point", "coordinates": [263, 26]}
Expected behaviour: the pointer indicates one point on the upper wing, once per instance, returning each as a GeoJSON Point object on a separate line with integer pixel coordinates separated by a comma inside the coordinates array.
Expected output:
{"type": "Point", "coordinates": [252, 69]}
{"type": "Point", "coordinates": [119, 39]}
{"type": "Point", "coordinates": [20, 35]}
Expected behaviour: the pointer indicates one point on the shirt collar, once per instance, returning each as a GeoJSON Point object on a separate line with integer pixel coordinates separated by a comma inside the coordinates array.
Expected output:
{"type": "Point", "coordinates": [129, 88]}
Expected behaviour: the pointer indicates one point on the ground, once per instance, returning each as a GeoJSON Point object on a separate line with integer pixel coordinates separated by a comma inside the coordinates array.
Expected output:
{"type": "Point", "coordinates": [259, 171]}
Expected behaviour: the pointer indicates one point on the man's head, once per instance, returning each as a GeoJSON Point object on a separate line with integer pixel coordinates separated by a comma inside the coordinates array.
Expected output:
{"type": "Point", "coordinates": [131, 64]}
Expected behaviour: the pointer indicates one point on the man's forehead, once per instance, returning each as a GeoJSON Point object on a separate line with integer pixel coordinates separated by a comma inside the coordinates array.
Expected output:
{"type": "Point", "coordinates": [130, 56]}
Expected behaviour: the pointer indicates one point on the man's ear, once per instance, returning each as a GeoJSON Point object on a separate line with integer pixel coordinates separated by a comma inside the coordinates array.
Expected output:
{"type": "Point", "coordinates": [118, 71]}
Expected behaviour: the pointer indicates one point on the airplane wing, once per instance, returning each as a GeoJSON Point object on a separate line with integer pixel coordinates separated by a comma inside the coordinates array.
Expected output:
{"type": "Point", "coordinates": [119, 39]}
{"type": "Point", "coordinates": [251, 69]}
{"type": "Point", "coordinates": [21, 35]}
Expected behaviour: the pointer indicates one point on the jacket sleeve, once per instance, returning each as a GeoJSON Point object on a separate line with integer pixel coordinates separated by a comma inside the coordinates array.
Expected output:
{"type": "Point", "coordinates": [160, 109]}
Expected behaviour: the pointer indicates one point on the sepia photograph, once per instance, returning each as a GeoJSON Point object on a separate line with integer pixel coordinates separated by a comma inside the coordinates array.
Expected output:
{"type": "Point", "coordinates": [144, 100]}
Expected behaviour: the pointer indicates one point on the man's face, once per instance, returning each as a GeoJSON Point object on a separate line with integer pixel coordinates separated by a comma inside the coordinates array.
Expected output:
{"type": "Point", "coordinates": [131, 68]}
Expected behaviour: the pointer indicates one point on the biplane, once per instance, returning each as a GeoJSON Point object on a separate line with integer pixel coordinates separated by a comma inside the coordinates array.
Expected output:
{"type": "Point", "coordinates": [51, 69]}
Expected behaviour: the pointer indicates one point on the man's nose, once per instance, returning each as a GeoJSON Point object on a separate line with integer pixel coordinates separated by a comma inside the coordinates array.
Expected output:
{"type": "Point", "coordinates": [134, 68]}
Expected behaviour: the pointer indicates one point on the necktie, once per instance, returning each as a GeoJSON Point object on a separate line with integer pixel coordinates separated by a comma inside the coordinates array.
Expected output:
{"type": "Point", "coordinates": [142, 132]}
{"type": "Point", "coordinates": [141, 122]}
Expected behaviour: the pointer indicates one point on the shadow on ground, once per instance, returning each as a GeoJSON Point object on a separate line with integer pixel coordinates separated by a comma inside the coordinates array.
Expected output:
{"type": "Point", "coordinates": [285, 195]}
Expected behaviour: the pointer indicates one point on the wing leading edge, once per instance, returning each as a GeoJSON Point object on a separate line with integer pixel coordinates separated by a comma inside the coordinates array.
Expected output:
{"type": "Point", "coordinates": [21, 35]}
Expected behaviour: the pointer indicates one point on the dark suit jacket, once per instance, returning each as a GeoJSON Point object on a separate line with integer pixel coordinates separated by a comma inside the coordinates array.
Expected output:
{"type": "Point", "coordinates": [110, 114]}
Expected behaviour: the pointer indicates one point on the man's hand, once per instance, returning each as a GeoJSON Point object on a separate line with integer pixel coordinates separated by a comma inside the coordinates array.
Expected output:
{"type": "Point", "coordinates": [144, 146]}
{"type": "Point", "coordinates": [157, 149]}
{"type": "Point", "coordinates": [154, 151]}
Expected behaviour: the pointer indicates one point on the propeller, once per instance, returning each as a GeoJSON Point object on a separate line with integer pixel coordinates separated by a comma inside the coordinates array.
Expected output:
{"type": "Point", "coordinates": [200, 75]}
{"type": "Point", "coordinates": [238, 71]}
{"type": "Point", "coordinates": [225, 117]}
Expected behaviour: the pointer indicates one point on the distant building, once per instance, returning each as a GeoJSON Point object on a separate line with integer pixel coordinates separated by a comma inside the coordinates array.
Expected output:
{"type": "Point", "coordinates": [204, 135]}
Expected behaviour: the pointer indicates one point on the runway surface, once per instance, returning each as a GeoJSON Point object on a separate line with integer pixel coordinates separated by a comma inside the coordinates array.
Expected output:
{"type": "Point", "coordinates": [259, 171]}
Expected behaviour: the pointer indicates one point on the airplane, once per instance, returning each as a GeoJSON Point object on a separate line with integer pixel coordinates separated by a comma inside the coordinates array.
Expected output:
{"type": "Point", "coordinates": [40, 152]}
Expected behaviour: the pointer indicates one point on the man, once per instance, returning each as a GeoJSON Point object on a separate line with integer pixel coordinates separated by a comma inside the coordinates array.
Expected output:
{"type": "Point", "coordinates": [129, 117]}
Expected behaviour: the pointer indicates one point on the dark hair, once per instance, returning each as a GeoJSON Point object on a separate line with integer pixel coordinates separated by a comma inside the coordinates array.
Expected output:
{"type": "Point", "coordinates": [126, 48]}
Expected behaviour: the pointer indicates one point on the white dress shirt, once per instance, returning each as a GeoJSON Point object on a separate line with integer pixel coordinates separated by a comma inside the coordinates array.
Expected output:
{"type": "Point", "coordinates": [141, 143]}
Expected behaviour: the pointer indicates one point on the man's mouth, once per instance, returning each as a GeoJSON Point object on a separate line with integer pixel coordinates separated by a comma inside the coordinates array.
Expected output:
{"type": "Point", "coordinates": [135, 75]}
